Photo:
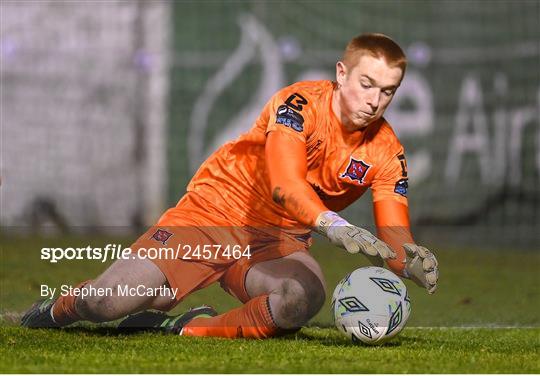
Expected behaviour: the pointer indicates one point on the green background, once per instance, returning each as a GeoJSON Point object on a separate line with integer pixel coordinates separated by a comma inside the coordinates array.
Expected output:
{"type": "Point", "coordinates": [479, 39]}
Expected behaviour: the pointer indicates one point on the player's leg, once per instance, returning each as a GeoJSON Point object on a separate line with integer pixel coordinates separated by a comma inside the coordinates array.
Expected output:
{"type": "Point", "coordinates": [95, 307]}
{"type": "Point", "coordinates": [177, 226]}
{"type": "Point", "coordinates": [295, 286]}
{"type": "Point", "coordinates": [126, 274]}
{"type": "Point", "coordinates": [123, 273]}
{"type": "Point", "coordinates": [282, 293]}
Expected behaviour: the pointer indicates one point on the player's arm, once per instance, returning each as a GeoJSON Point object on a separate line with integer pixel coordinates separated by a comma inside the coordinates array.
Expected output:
{"type": "Point", "coordinates": [413, 261]}
{"type": "Point", "coordinates": [287, 166]}
{"type": "Point", "coordinates": [392, 221]}
{"type": "Point", "coordinates": [286, 161]}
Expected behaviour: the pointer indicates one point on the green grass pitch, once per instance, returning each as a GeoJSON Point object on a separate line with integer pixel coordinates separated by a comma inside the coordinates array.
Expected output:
{"type": "Point", "coordinates": [483, 319]}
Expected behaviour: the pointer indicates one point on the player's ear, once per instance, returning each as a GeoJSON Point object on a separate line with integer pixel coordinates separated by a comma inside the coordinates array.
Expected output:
{"type": "Point", "coordinates": [341, 73]}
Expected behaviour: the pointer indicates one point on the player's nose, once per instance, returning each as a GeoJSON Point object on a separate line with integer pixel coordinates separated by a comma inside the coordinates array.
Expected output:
{"type": "Point", "coordinates": [373, 100]}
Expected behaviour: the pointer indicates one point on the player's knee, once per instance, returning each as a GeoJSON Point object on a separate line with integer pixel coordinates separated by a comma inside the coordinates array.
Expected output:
{"type": "Point", "coordinates": [297, 303]}
{"type": "Point", "coordinates": [316, 297]}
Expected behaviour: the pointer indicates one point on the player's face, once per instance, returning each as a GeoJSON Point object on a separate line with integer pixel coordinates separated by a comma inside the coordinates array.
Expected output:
{"type": "Point", "coordinates": [365, 90]}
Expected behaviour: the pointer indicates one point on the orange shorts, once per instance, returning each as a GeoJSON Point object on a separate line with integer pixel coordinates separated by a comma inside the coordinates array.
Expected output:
{"type": "Point", "coordinates": [194, 245]}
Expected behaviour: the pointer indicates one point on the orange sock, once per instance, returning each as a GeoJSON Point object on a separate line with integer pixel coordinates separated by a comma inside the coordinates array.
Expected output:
{"type": "Point", "coordinates": [64, 312]}
{"type": "Point", "coordinates": [252, 320]}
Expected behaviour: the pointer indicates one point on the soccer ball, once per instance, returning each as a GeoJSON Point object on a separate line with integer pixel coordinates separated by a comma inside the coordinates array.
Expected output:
{"type": "Point", "coordinates": [371, 305]}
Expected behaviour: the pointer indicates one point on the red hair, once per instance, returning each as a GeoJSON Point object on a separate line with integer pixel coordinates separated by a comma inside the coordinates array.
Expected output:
{"type": "Point", "coordinates": [377, 45]}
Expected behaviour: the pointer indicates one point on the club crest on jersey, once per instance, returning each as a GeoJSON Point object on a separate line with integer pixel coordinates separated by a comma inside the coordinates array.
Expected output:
{"type": "Point", "coordinates": [356, 170]}
{"type": "Point", "coordinates": [289, 118]}
{"type": "Point", "coordinates": [162, 236]}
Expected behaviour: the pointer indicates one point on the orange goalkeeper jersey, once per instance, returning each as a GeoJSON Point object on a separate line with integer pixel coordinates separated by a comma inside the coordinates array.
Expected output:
{"type": "Point", "coordinates": [235, 178]}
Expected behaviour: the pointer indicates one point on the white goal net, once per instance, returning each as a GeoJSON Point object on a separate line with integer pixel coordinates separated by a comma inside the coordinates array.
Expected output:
{"type": "Point", "coordinates": [83, 96]}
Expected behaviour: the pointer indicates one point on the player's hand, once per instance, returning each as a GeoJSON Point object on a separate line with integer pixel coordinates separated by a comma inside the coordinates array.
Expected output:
{"type": "Point", "coordinates": [421, 267]}
{"type": "Point", "coordinates": [352, 238]}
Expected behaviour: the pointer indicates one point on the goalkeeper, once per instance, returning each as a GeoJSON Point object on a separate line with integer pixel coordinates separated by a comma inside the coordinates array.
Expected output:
{"type": "Point", "coordinates": [315, 148]}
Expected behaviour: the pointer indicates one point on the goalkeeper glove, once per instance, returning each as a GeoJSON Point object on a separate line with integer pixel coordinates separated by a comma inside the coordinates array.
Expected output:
{"type": "Point", "coordinates": [352, 238]}
{"type": "Point", "coordinates": [421, 267]}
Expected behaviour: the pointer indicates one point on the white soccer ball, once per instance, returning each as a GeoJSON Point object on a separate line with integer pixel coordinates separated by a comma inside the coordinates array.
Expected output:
{"type": "Point", "coordinates": [371, 305]}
